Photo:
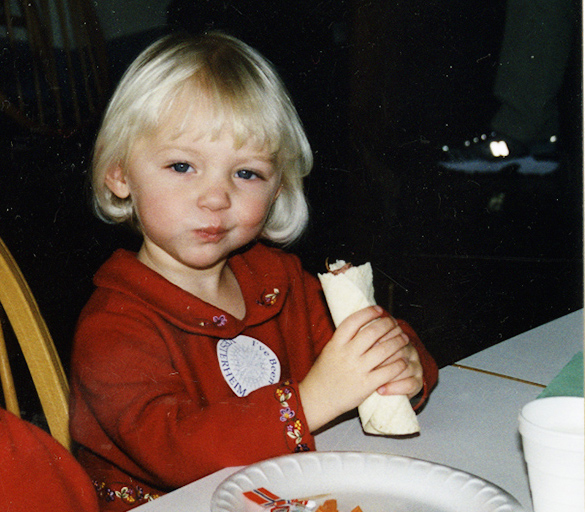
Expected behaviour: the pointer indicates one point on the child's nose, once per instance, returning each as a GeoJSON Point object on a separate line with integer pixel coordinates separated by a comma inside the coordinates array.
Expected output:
{"type": "Point", "coordinates": [214, 197]}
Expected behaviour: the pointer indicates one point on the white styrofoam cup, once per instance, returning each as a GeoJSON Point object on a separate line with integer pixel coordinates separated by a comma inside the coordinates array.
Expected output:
{"type": "Point", "coordinates": [552, 439]}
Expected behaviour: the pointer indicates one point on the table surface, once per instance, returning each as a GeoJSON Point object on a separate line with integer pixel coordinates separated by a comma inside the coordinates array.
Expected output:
{"type": "Point", "coordinates": [537, 355]}
{"type": "Point", "coordinates": [470, 421]}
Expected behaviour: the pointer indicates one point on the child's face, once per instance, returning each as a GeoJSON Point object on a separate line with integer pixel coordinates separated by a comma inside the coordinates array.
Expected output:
{"type": "Point", "coordinates": [197, 199]}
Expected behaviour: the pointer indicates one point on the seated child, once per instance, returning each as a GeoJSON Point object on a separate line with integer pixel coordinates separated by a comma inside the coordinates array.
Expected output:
{"type": "Point", "coordinates": [209, 348]}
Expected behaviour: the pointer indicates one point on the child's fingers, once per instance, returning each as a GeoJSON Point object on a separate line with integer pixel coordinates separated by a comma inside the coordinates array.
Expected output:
{"type": "Point", "coordinates": [407, 374]}
{"type": "Point", "coordinates": [387, 349]}
{"type": "Point", "coordinates": [405, 350]}
{"type": "Point", "coordinates": [409, 387]}
{"type": "Point", "coordinates": [353, 324]}
{"type": "Point", "coordinates": [397, 331]}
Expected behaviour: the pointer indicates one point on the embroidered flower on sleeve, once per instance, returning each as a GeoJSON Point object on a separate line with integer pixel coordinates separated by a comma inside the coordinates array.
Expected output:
{"type": "Point", "coordinates": [283, 394]}
{"type": "Point", "coordinates": [294, 431]}
{"type": "Point", "coordinates": [294, 428]}
{"type": "Point", "coordinates": [286, 414]}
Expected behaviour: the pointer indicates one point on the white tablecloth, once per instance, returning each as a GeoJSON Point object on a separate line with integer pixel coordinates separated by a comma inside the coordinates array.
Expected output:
{"type": "Point", "coordinates": [537, 355]}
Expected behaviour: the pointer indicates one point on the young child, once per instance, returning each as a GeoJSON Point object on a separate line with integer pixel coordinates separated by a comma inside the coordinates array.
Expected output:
{"type": "Point", "coordinates": [208, 348]}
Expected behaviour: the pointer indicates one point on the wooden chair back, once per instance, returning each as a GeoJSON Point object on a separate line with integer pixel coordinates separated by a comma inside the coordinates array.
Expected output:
{"type": "Point", "coordinates": [40, 354]}
{"type": "Point", "coordinates": [53, 64]}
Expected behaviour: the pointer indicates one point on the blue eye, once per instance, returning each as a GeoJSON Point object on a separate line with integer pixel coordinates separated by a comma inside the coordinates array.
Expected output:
{"type": "Point", "coordinates": [246, 174]}
{"type": "Point", "coordinates": [181, 167]}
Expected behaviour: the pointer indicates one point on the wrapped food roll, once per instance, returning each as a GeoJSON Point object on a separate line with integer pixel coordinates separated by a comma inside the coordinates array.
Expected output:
{"type": "Point", "coordinates": [348, 289]}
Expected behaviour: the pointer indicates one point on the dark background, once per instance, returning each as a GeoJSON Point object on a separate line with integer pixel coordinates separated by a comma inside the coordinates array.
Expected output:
{"type": "Point", "coordinates": [468, 260]}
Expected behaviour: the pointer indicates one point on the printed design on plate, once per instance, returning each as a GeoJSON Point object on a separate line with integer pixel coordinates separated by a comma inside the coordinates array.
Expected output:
{"type": "Point", "coordinates": [247, 364]}
{"type": "Point", "coordinates": [294, 428]}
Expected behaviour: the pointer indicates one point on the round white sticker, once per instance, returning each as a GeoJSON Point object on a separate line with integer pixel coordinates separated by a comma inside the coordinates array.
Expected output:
{"type": "Point", "coordinates": [247, 364]}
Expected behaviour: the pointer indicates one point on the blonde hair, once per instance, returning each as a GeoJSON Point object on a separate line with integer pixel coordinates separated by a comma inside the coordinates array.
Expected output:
{"type": "Point", "coordinates": [246, 96]}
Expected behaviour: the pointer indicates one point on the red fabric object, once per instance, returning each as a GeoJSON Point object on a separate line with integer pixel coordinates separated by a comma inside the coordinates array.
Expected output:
{"type": "Point", "coordinates": [148, 395]}
{"type": "Point", "coordinates": [38, 474]}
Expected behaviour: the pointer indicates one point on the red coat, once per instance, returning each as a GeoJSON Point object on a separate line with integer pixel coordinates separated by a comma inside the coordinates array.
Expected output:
{"type": "Point", "coordinates": [148, 395]}
{"type": "Point", "coordinates": [37, 474]}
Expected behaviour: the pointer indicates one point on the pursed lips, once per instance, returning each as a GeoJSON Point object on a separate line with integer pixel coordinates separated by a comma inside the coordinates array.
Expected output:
{"type": "Point", "coordinates": [210, 233]}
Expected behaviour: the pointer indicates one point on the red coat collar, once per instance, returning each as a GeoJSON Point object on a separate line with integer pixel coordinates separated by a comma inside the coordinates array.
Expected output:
{"type": "Point", "coordinates": [260, 271]}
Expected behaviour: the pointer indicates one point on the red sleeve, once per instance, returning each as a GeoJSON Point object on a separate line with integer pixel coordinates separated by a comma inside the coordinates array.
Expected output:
{"type": "Point", "coordinates": [133, 406]}
{"type": "Point", "coordinates": [319, 316]}
{"type": "Point", "coordinates": [38, 474]}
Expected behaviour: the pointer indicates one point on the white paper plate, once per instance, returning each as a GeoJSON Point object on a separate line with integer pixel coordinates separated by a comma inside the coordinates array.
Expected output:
{"type": "Point", "coordinates": [375, 482]}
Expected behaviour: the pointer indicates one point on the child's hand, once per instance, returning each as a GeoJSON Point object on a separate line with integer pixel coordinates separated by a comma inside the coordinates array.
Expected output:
{"type": "Point", "coordinates": [368, 351]}
{"type": "Point", "coordinates": [410, 381]}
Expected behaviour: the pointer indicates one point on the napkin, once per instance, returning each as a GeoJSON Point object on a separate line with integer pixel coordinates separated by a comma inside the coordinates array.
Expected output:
{"type": "Point", "coordinates": [569, 382]}
{"type": "Point", "coordinates": [347, 292]}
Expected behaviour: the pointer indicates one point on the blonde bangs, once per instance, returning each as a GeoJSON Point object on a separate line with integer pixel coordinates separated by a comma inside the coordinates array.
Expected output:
{"type": "Point", "coordinates": [208, 107]}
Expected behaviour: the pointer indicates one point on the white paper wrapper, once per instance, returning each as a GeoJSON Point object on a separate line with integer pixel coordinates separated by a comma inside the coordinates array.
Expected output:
{"type": "Point", "coordinates": [346, 293]}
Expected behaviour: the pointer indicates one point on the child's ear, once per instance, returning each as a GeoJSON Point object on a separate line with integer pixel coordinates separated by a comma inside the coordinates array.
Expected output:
{"type": "Point", "coordinates": [116, 181]}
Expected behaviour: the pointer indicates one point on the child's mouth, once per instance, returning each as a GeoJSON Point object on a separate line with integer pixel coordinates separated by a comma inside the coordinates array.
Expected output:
{"type": "Point", "coordinates": [211, 234]}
